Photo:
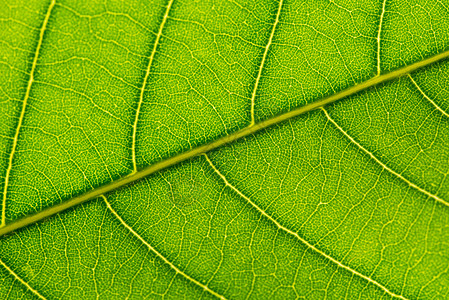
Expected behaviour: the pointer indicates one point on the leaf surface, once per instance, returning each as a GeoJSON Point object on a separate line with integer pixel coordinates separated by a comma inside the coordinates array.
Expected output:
{"type": "Point", "coordinates": [251, 191]}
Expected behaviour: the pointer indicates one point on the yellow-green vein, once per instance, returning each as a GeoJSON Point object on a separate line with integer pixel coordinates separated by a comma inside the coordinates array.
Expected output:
{"type": "Point", "coordinates": [379, 30]}
{"type": "Point", "coordinates": [262, 63]}
{"type": "Point", "coordinates": [21, 281]}
{"type": "Point", "coordinates": [371, 155]}
{"type": "Point", "coordinates": [22, 112]}
{"type": "Point", "coordinates": [171, 265]}
{"type": "Point", "coordinates": [427, 97]}
{"type": "Point", "coordinates": [145, 81]}
{"type": "Point", "coordinates": [296, 235]}
{"type": "Point", "coordinates": [111, 186]}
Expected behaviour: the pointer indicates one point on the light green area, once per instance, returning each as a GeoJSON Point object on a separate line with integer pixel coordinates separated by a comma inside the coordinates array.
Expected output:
{"type": "Point", "coordinates": [85, 253]}
{"type": "Point", "coordinates": [320, 47]}
{"type": "Point", "coordinates": [434, 83]}
{"type": "Point", "coordinates": [17, 39]}
{"type": "Point", "coordinates": [13, 288]}
{"type": "Point", "coordinates": [350, 201]}
{"type": "Point", "coordinates": [203, 75]}
{"type": "Point", "coordinates": [413, 30]}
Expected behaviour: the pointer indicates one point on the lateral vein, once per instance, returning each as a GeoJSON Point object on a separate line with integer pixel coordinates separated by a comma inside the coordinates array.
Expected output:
{"type": "Point", "coordinates": [262, 63]}
{"type": "Point", "coordinates": [247, 131]}
{"type": "Point", "coordinates": [296, 235]}
{"type": "Point", "coordinates": [21, 280]}
{"type": "Point", "coordinates": [140, 238]}
{"type": "Point", "coordinates": [372, 156]}
{"type": "Point", "coordinates": [378, 36]}
{"type": "Point", "coordinates": [145, 81]}
{"type": "Point", "coordinates": [22, 112]}
{"type": "Point", "coordinates": [427, 97]}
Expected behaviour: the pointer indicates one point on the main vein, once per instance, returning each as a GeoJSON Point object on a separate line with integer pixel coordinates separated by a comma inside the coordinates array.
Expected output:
{"type": "Point", "coordinates": [217, 143]}
{"type": "Point", "coordinates": [22, 112]}
{"type": "Point", "coordinates": [145, 81]}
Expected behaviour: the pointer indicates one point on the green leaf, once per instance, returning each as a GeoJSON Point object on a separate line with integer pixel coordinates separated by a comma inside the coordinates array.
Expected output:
{"type": "Point", "coordinates": [250, 149]}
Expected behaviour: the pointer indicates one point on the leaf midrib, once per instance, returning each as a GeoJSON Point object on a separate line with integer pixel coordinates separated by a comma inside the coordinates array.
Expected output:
{"type": "Point", "coordinates": [247, 131]}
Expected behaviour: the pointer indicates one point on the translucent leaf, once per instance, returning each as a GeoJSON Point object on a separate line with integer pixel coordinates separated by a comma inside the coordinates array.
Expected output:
{"type": "Point", "coordinates": [224, 149]}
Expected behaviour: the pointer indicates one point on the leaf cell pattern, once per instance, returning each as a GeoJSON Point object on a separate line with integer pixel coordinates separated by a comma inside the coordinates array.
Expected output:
{"type": "Point", "coordinates": [347, 201]}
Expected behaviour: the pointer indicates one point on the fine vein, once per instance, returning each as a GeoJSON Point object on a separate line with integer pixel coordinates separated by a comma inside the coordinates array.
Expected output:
{"type": "Point", "coordinates": [427, 97]}
{"type": "Point", "coordinates": [21, 280]}
{"type": "Point", "coordinates": [111, 186]}
{"type": "Point", "coordinates": [22, 112]}
{"type": "Point", "coordinates": [262, 63]}
{"type": "Point", "coordinates": [145, 81]}
{"type": "Point", "coordinates": [378, 35]}
{"type": "Point", "coordinates": [296, 235]}
{"type": "Point", "coordinates": [178, 271]}
{"type": "Point", "coordinates": [371, 155]}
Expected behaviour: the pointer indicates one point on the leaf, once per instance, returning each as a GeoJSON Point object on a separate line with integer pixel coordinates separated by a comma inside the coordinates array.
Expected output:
{"type": "Point", "coordinates": [193, 128]}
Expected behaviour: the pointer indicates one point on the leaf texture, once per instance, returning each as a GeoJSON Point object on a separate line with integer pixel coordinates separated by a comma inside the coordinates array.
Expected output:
{"type": "Point", "coordinates": [273, 198]}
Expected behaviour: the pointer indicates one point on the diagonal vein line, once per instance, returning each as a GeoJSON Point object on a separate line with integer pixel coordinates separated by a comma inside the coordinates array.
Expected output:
{"type": "Point", "coordinates": [21, 280]}
{"type": "Point", "coordinates": [178, 271]}
{"type": "Point", "coordinates": [371, 155]}
{"type": "Point", "coordinates": [427, 97]}
{"type": "Point", "coordinates": [262, 63]}
{"type": "Point", "coordinates": [247, 131]}
{"type": "Point", "coordinates": [22, 112]}
{"type": "Point", "coordinates": [145, 81]}
{"type": "Point", "coordinates": [296, 235]}
{"type": "Point", "coordinates": [378, 35]}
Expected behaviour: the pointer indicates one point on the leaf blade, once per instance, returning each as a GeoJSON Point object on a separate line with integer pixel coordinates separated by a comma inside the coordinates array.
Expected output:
{"type": "Point", "coordinates": [218, 143]}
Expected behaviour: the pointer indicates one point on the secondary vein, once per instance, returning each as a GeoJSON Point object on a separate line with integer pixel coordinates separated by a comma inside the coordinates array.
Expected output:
{"type": "Point", "coordinates": [378, 35]}
{"type": "Point", "coordinates": [22, 281]}
{"type": "Point", "coordinates": [262, 63]}
{"type": "Point", "coordinates": [145, 81]}
{"type": "Point", "coordinates": [141, 239]}
{"type": "Point", "coordinates": [373, 157]}
{"type": "Point", "coordinates": [427, 97]}
{"type": "Point", "coordinates": [22, 112]}
{"type": "Point", "coordinates": [296, 235]}
{"type": "Point", "coordinates": [247, 131]}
